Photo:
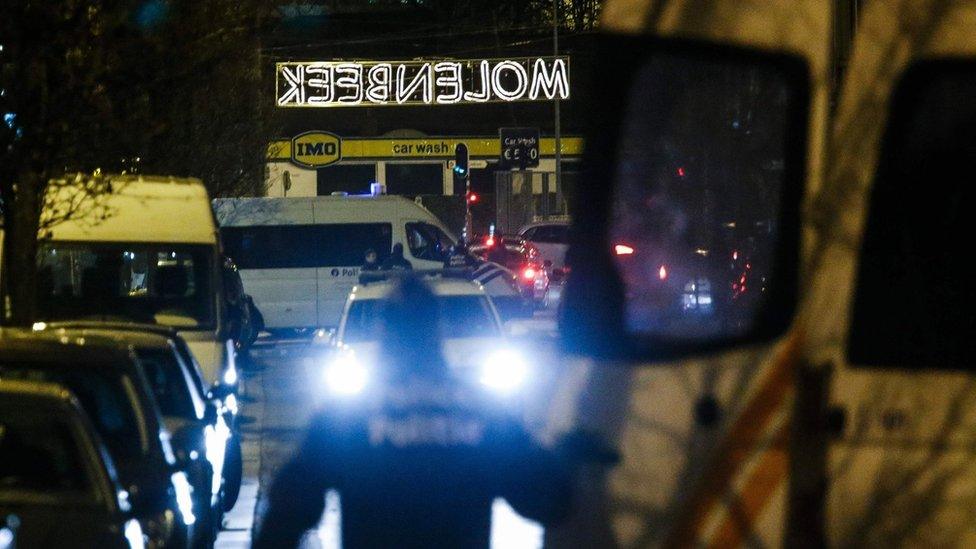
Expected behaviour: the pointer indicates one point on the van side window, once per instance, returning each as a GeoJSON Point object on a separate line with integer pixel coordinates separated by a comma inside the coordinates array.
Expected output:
{"type": "Point", "coordinates": [913, 304]}
{"type": "Point", "coordinates": [428, 242]}
{"type": "Point", "coordinates": [305, 246]}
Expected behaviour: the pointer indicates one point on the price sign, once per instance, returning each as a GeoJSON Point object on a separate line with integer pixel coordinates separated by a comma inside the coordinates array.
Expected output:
{"type": "Point", "coordinates": [519, 147]}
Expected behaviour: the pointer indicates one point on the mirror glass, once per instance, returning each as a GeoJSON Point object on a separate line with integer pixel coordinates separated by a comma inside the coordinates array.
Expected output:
{"type": "Point", "coordinates": [705, 147]}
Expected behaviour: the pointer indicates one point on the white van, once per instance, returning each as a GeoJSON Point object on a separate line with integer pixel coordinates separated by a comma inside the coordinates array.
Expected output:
{"type": "Point", "coordinates": [839, 409]}
{"type": "Point", "coordinates": [300, 257]}
{"type": "Point", "coordinates": [145, 252]}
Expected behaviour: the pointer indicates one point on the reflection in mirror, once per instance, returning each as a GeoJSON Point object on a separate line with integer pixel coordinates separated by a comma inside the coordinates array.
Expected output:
{"type": "Point", "coordinates": [699, 178]}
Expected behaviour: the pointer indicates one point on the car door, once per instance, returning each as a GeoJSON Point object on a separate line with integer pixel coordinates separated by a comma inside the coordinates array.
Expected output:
{"type": "Point", "coordinates": [686, 125]}
{"type": "Point", "coordinates": [890, 322]}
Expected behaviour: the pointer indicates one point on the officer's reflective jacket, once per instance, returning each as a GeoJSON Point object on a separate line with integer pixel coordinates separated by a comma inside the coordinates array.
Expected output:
{"type": "Point", "coordinates": [416, 466]}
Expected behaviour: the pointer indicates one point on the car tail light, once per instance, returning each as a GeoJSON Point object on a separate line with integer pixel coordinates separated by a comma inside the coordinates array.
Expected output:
{"type": "Point", "coordinates": [623, 249]}
{"type": "Point", "coordinates": [529, 273]}
{"type": "Point", "coordinates": [490, 241]}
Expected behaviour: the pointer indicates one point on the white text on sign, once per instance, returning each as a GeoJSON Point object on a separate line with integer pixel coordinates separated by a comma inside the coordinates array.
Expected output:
{"type": "Point", "coordinates": [347, 84]}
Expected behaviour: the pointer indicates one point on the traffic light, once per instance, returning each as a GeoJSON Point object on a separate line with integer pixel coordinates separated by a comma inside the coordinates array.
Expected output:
{"type": "Point", "coordinates": [460, 169]}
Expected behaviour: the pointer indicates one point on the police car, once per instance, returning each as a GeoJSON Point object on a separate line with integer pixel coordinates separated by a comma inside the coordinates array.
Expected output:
{"type": "Point", "coordinates": [473, 338]}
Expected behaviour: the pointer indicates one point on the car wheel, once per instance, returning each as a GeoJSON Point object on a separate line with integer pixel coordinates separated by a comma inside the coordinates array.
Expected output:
{"type": "Point", "coordinates": [233, 472]}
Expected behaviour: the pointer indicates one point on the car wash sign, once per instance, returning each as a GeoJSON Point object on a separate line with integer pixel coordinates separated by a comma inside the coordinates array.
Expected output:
{"type": "Point", "coordinates": [446, 82]}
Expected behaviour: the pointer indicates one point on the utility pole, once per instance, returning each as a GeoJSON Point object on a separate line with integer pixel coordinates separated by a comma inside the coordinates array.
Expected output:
{"type": "Point", "coordinates": [559, 152]}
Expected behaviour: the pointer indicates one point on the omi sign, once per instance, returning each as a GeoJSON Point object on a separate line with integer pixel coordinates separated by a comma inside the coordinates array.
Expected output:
{"type": "Point", "coordinates": [448, 82]}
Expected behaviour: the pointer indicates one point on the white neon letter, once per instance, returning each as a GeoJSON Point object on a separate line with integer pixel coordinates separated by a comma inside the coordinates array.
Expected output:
{"type": "Point", "coordinates": [521, 77]}
{"type": "Point", "coordinates": [549, 83]}
{"type": "Point", "coordinates": [420, 81]}
{"type": "Point", "coordinates": [482, 96]}
{"type": "Point", "coordinates": [352, 80]}
{"type": "Point", "coordinates": [296, 90]}
{"type": "Point", "coordinates": [451, 80]}
{"type": "Point", "coordinates": [323, 81]}
{"type": "Point", "coordinates": [379, 76]}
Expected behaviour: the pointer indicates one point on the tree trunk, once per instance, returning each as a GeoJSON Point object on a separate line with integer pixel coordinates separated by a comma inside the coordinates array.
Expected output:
{"type": "Point", "coordinates": [20, 249]}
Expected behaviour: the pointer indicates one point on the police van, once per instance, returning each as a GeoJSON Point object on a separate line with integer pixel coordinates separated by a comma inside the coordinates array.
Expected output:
{"type": "Point", "coordinates": [300, 257]}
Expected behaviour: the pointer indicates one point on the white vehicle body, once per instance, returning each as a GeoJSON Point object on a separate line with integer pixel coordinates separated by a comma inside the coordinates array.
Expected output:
{"type": "Point", "coordinates": [900, 470]}
{"type": "Point", "coordinates": [481, 332]}
{"type": "Point", "coordinates": [164, 223]}
{"type": "Point", "coordinates": [300, 257]}
{"type": "Point", "coordinates": [550, 238]}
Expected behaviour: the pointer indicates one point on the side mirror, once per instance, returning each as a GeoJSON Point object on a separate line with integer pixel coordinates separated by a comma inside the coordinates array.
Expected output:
{"type": "Point", "coordinates": [680, 252]}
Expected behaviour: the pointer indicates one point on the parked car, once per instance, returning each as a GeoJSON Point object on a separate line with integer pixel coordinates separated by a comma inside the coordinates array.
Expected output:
{"type": "Point", "coordinates": [551, 238]}
{"type": "Point", "coordinates": [108, 381]}
{"type": "Point", "coordinates": [244, 321]}
{"type": "Point", "coordinates": [200, 421]}
{"type": "Point", "coordinates": [58, 484]}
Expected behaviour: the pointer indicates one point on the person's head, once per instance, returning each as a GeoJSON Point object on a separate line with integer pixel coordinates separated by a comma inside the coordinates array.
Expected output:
{"type": "Point", "coordinates": [371, 256]}
{"type": "Point", "coordinates": [398, 250]}
{"type": "Point", "coordinates": [410, 323]}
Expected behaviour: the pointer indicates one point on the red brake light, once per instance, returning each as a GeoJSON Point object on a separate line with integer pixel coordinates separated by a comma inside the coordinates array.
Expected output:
{"type": "Point", "coordinates": [623, 249]}
{"type": "Point", "coordinates": [528, 273]}
{"type": "Point", "coordinates": [490, 241]}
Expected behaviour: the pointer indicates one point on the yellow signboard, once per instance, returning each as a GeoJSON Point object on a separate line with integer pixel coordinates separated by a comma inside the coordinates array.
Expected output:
{"type": "Point", "coordinates": [315, 149]}
{"type": "Point", "coordinates": [409, 148]}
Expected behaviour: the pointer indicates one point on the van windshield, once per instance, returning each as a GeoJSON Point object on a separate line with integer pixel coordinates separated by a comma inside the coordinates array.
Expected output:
{"type": "Point", "coordinates": [153, 283]}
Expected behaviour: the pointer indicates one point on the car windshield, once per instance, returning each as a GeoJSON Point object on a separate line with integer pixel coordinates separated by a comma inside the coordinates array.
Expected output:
{"type": "Point", "coordinates": [108, 400]}
{"type": "Point", "coordinates": [461, 316]}
{"type": "Point", "coordinates": [38, 452]}
{"type": "Point", "coordinates": [167, 382]}
{"type": "Point", "coordinates": [551, 234]}
{"type": "Point", "coordinates": [155, 283]}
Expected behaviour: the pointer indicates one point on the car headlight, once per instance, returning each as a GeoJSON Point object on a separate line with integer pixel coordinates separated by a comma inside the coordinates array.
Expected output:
{"type": "Point", "coordinates": [230, 375]}
{"type": "Point", "coordinates": [215, 440]}
{"type": "Point", "coordinates": [345, 374]}
{"type": "Point", "coordinates": [504, 370]}
{"type": "Point", "coordinates": [133, 534]}
{"type": "Point", "coordinates": [231, 402]}
{"type": "Point", "coordinates": [184, 497]}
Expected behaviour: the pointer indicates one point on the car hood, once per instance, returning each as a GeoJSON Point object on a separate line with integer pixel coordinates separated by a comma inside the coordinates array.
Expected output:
{"type": "Point", "coordinates": [459, 353]}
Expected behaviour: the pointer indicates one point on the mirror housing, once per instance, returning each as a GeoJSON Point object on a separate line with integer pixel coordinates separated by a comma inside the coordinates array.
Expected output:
{"type": "Point", "coordinates": [597, 312]}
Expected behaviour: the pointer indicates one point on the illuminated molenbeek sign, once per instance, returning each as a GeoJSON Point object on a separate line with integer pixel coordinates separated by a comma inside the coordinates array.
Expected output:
{"type": "Point", "coordinates": [448, 82]}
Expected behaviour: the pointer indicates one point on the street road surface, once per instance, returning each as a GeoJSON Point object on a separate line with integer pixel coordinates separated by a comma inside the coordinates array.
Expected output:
{"type": "Point", "coordinates": [281, 388]}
